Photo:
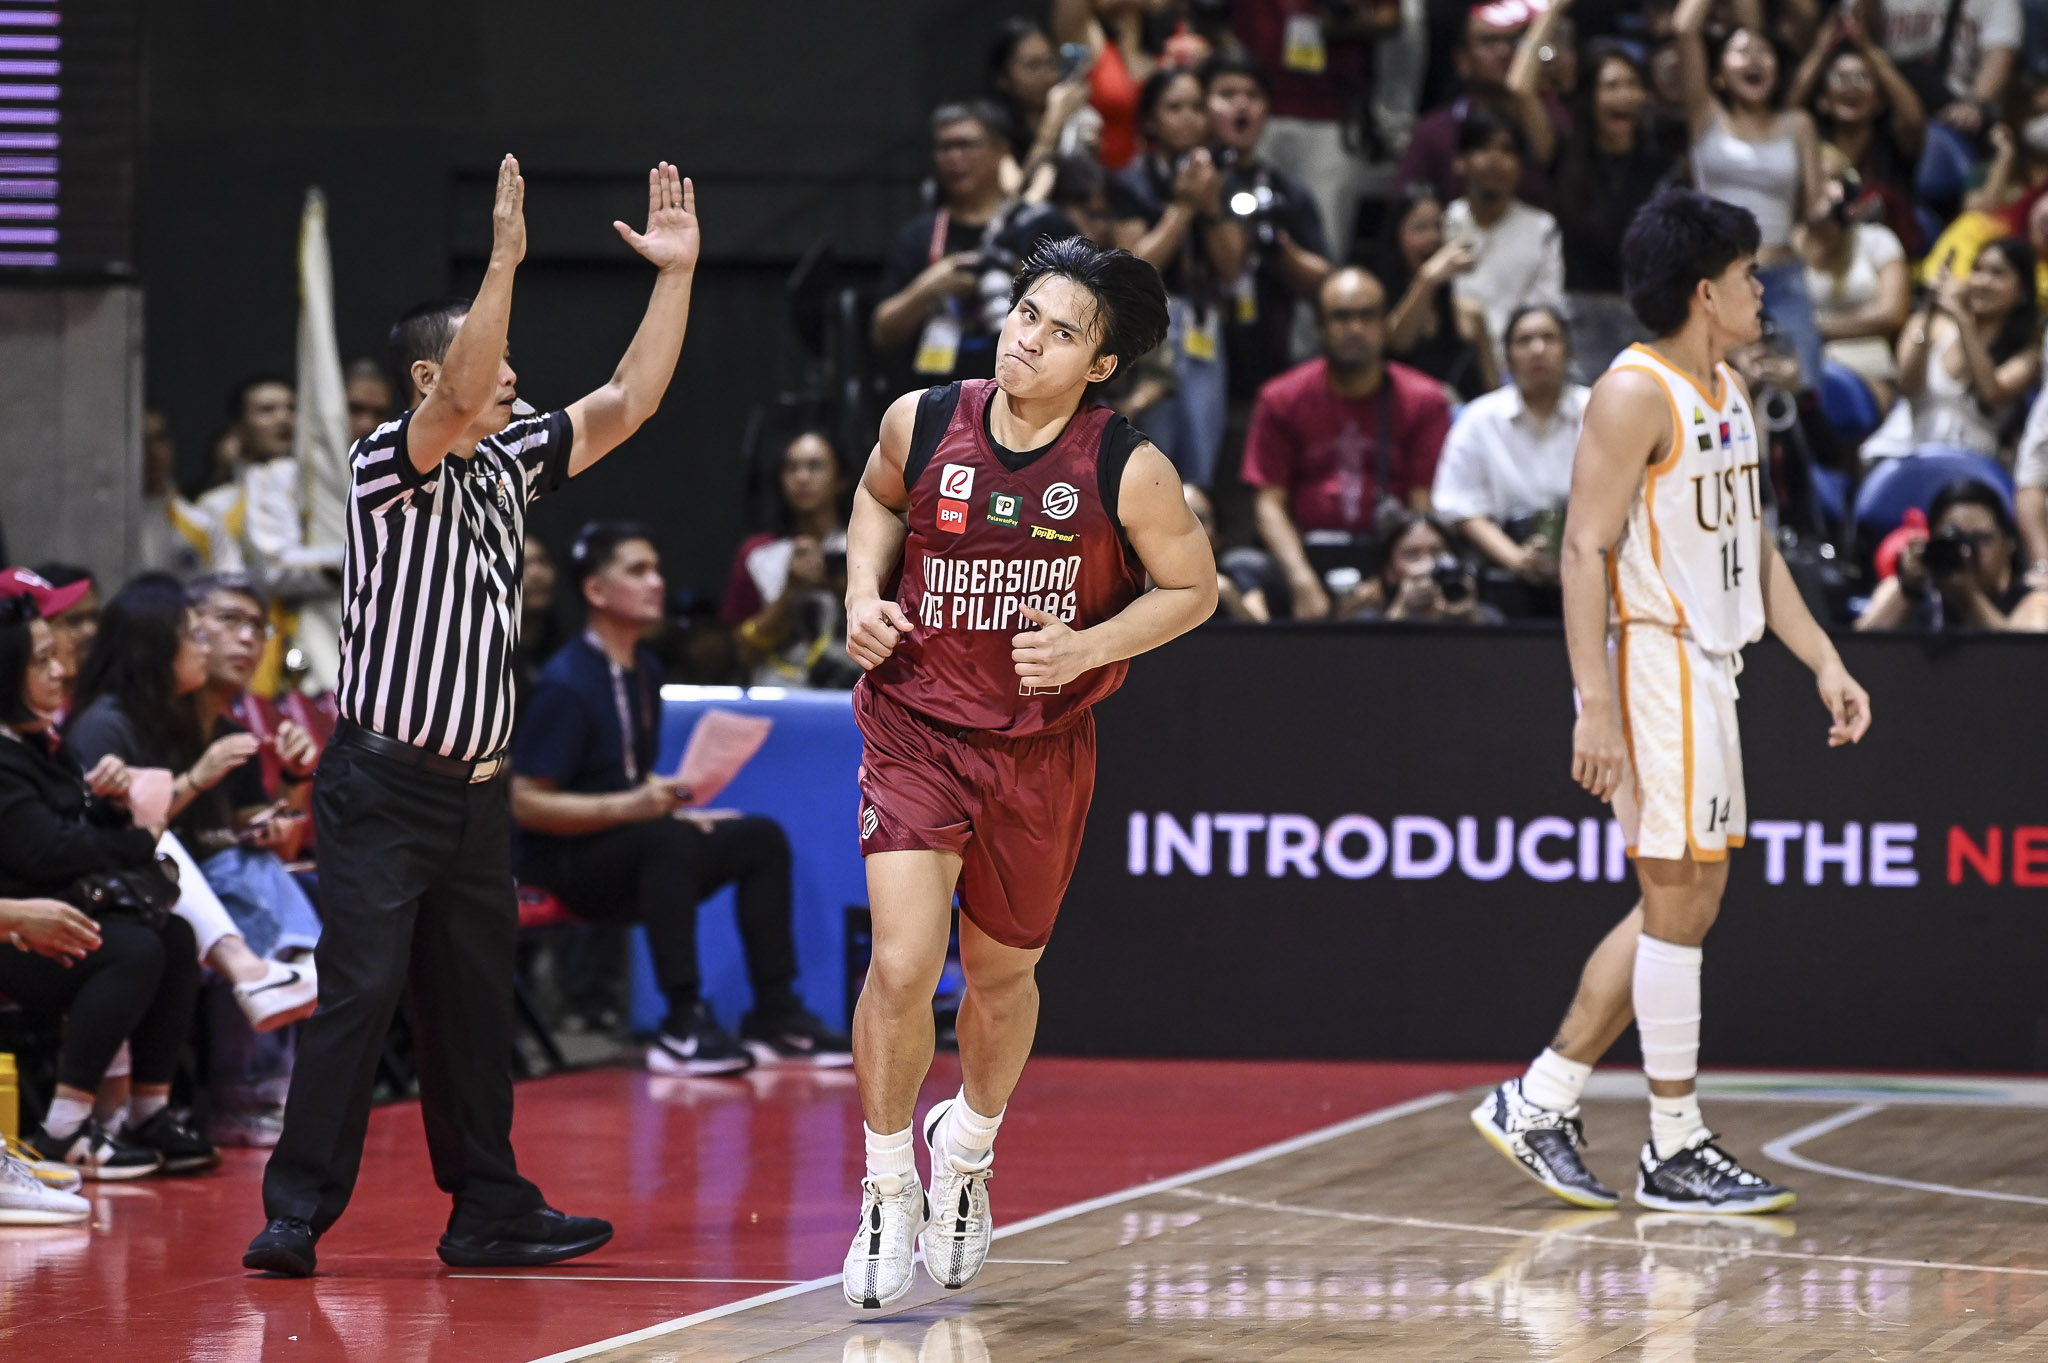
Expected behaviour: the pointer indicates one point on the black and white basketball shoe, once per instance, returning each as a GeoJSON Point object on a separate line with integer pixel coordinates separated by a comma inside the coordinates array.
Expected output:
{"type": "Point", "coordinates": [1704, 1178]}
{"type": "Point", "coordinates": [1543, 1144]}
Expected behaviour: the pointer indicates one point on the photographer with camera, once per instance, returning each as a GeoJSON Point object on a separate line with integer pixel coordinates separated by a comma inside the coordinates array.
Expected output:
{"type": "Point", "coordinates": [1287, 256]}
{"type": "Point", "coordinates": [1420, 580]}
{"type": "Point", "coordinates": [945, 286]}
{"type": "Point", "coordinates": [1963, 574]}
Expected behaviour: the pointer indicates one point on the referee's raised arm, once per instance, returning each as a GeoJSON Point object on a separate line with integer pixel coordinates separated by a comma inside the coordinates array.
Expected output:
{"type": "Point", "coordinates": [468, 381]}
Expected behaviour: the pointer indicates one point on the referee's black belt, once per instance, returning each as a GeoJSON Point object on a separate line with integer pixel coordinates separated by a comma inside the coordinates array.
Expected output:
{"type": "Point", "coordinates": [349, 734]}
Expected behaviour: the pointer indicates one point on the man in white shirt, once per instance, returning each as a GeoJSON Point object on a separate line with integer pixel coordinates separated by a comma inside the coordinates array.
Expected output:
{"type": "Point", "coordinates": [1518, 255]}
{"type": "Point", "coordinates": [1981, 57]}
{"type": "Point", "coordinates": [1507, 463]}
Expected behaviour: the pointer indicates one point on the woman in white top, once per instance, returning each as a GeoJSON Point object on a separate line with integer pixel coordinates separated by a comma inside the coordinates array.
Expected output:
{"type": "Point", "coordinates": [1750, 150]}
{"type": "Point", "coordinates": [1971, 353]}
{"type": "Point", "coordinates": [1856, 272]}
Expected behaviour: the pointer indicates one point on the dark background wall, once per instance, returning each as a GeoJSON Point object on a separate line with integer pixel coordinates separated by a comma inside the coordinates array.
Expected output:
{"type": "Point", "coordinates": [798, 119]}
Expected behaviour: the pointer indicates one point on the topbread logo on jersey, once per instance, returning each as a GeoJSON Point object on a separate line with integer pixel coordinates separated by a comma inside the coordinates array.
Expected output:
{"type": "Point", "coordinates": [1062, 500]}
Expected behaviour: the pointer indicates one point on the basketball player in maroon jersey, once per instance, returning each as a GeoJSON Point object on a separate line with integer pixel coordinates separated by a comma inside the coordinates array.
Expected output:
{"type": "Point", "coordinates": [997, 560]}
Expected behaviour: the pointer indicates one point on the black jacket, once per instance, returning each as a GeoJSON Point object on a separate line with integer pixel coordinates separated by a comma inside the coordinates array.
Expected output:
{"type": "Point", "coordinates": [51, 831]}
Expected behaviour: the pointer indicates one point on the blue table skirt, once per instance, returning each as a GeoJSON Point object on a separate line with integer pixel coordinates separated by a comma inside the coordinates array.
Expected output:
{"type": "Point", "coordinates": [803, 778]}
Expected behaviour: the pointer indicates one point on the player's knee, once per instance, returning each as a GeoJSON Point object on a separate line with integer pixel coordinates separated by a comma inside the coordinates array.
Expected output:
{"type": "Point", "coordinates": [900, 974]}
{"type": "Point", "coordinates": [1002, 986]}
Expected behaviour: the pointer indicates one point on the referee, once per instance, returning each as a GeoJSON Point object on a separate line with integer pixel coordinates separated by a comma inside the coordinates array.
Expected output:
{"type": "Point", "coordinates": [411, 804]}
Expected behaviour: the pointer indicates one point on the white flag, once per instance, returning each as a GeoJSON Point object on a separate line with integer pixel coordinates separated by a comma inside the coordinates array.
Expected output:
{"type": "Point", "coordinates": [320, 443]}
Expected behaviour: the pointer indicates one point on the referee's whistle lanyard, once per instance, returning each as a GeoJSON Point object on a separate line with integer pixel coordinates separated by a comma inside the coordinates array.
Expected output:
{"type": "Point", "coordinates": [629, 744]}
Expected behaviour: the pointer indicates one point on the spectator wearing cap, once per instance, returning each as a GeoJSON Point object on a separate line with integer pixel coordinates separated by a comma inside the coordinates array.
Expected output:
{"type": "Point", "coordinates": [618, 842]}
{"type": "Point", "coordinates": [1338, 439]}
{"type": "Point", "coordinates": [945, 286]}
{"type": "Point", "coordinates": [785, 596]}
{"type": "Point", "coordinates": [78, 624]}
{"type": "Point", "coordinates": [1962, 573]}
{"type": "Point", "coordinates": [1517, 251]}
{"type": "Point", "coordinates": [1506, 468]}
{"type": "Point", "coordinates": [1493, 35]}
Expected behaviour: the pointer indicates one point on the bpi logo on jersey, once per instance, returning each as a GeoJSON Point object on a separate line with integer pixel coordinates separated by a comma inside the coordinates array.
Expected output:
{"type": "Point", "coordinates": [953, 516]}
{"type": "Point", "coordinates": [1062, 500]}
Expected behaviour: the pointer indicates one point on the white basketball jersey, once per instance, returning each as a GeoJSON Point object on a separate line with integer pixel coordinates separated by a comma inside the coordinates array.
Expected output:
{"type": "Point", "coordinates": [1690, 556]}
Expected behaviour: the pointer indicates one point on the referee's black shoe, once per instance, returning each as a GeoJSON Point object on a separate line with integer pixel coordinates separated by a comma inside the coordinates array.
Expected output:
{"type": "Point", "coordinates": [284, 1247]}
{"type": "Point", "coordinates": [539, 1237]}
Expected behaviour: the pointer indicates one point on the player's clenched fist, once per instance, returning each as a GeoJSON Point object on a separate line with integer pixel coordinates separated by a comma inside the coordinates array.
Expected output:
{"type": "Point", "coordinates": [1597, 752]}
{"type": "Point", "coordinates": [872, 629]}
{"type": "Point", "coordinates": [1051, 655]}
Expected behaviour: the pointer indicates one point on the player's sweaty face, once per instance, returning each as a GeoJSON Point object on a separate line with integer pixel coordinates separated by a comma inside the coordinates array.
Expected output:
{"type": "Point", "coordinates": [1049, 340]}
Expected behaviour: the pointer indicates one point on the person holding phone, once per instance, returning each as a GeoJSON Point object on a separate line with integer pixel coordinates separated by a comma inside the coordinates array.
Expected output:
{"type": "Point", "coordinates": [618, 842]}
{"type": "Point", "coordinates": [783, 596]}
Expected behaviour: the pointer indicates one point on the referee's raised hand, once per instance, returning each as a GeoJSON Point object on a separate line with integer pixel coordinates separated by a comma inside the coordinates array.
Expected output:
{"type": "Point", "coordinates": [671, 241]}
{"type": "Point", "coordinates": [508, 215]}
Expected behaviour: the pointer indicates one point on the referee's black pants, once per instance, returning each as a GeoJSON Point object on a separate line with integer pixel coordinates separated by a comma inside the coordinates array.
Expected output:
{"type": "Point", "coordinates": [415, 885]}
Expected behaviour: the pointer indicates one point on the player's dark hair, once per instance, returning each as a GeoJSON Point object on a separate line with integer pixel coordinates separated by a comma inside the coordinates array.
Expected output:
{"type": "Point", "coordinates": [1973, 492]}
{"type": "Point", "coordinates": [424, 333]}
{"type": "Point", "coordinates": [1130, 300]}
{"type": "Point", "coordinates": [597, 543]}
{"type": "Point", "coordinates": [1677, 239]}
{"type": "Point", "coordinates": [1550, 310]}
{"type": "Point", "coordinates": [238, 400]}
{"type": "Point", "coordinates": [1481, 126]}
{"type": "Point", "coordinates": [1234, 64]}
{"type": "Point", "coordinates": [989, 114]}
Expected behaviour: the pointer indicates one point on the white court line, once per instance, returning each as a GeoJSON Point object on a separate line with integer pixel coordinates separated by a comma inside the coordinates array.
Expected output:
{"type": "Point", "coordinates": [1893, 1090]}
{"type": "Point", "coordinates": [1231, 1165]}
{"type": "Point", "coordinates": [607, 1278]}
{"type": "Point", "coordinates": [1782, 1150]}
{"type": "Point", "coordinates": [1045, 1263]}
{"type": "Point", "coordinates": [1620, 1242]}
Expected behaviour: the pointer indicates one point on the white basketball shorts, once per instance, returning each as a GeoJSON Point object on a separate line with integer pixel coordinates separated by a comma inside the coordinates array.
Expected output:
{"type": "Point", "coordinates": [1681, 794]}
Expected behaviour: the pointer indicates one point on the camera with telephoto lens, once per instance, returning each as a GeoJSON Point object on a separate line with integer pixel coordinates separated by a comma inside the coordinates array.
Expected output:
{"type": "Point", "coordinates": [1948, 553]}
{"type": "Point", "coordinates": [1451, 578]}
{"type": "Point", "coordinates": [1252, 205]}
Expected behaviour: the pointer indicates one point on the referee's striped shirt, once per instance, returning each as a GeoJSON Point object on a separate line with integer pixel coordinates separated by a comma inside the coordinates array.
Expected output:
{"type": "Point", "coordinates": [430, 582]}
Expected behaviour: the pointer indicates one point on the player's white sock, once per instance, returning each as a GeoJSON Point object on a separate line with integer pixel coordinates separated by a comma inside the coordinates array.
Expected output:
{"type": "Point", "coordinates": [1667, 999]}
{"type": "Point", "coordinates": [967, 1133]}
{"type": "Point", "coordinates": [1674, 1122]}
{"type": "Point", "coordinates": [1554, 1082]}
{"type": "Point", "coordinates": [891, 1153]}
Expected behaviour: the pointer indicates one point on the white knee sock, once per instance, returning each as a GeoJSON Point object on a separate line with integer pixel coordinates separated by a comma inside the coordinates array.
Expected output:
{"type": "Point", "coordinates": [890, 1154]}
{"type": "Point", "coordinates": [1554, 1082]}
{"type": "Point", "coordinates": [967, 1133]}
{"type": "Point", "coordinates": [1667, 1000]}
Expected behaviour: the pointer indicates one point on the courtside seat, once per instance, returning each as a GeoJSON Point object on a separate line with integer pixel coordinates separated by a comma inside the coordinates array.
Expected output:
{"type": "Point", "coordinates": [1846, 402]}
{"type": "Point", "coordinates": [1893, 485]}
{"type": "Point", "coordinates": [539, 911]}
{"type": "Point", "coordinates": [538, 908]}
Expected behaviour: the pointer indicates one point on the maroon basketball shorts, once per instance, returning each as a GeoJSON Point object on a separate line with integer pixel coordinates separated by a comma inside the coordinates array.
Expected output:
{"type": "Point", "coordinates": [1010, 808]}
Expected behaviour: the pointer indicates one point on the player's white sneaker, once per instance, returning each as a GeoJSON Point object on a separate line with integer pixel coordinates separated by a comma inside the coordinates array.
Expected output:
{"type": "Point", "coordinates": [955, 1242]}
{"type": "Point", "coordinates": [880, 1264]}
{"type": "Point", "coordinates": [1543, 1144]}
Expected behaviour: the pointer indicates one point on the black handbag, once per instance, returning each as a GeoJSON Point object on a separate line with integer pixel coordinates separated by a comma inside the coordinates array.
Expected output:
{"type": "Point", "coordinates": [141, 894]}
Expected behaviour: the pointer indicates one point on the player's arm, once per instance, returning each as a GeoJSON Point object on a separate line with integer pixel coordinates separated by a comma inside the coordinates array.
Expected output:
{"type": "Point", "coordinates": [1170, 543]}
{"type": "Point", "coordinates": [1627, 428]}
{"type": "Point", "coordinates": [469, 372]}
{"type": "Point", "coordinates": [603, 419]}
{"type": "Point", "coordinates": [875, 533]}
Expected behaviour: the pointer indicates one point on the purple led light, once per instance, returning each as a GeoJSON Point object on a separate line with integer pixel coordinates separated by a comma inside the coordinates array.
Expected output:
{"type": "Point", "coordinates": [42, 259]}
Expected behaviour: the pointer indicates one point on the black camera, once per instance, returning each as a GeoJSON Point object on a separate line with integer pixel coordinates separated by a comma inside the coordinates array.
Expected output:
{"type": "Point", "coordinates": [1451, 578]}
{"type": "Point", "coordinates": [1252, 205]}
{"type": "Point", "coordinates": [1949, 553]}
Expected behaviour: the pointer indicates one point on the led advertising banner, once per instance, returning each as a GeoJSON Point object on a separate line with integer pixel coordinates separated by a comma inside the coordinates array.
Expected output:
{"type": "Point", "coordinates": [68, 134]}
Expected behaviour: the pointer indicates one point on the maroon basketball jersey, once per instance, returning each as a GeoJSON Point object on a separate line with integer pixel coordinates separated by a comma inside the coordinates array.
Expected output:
{"type": "Point", "coordinates": [991, 532]}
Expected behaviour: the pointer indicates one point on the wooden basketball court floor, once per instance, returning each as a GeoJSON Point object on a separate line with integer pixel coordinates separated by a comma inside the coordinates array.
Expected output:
{"type": "Point", "coordinates": [1166, 1212]}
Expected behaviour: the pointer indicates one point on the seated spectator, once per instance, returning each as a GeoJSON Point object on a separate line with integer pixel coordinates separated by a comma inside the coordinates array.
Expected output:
{"type": "Point", "coordinates": [1240, 573]}
{"type": "Point", "coordinates": [136, 703]}
{"type": "Point", "coordinates": [78, 624]}
{"type": "Point", "coordinates": [1863, 106]}
{"type": "Point", "coordinates": [1751, 150]}
{"type": "Point", "coordinates": [1170, 212]}
{"type": "Point", "coordinates": [1980, 40]}
{"type": "Point", "coordinates": [1431, 328]}
{"type": "Point", "coordinates": [786, 592]}
{"type": "Point", "coordinates": [1334, 440]}
{"type": "Point", "coordinates": [112, 982]}
{"type": "Point", "coordinates": [1963, 574]}
{"type": "Point", "coordinates": [618, 843]}
{"type": "Point", "coordinates": [1484, 61]}
{"type": "Point", "coordinates": [945, 286]}
{"type": "Point", "coordinates": [1966, 358]}
{"type": "Point", "coordinates": [1420, 580]}
{"type": "Point", "coordinates": [1620, 157]}
{"type": "Point", "coordinates": [1856, 272]}
{"type": "Point", "coordinates": [250, 1071]}
{"type": "Point", "coordinates": [1506, 468]}
{"type": "Point", "coordinates": [369, 399]}
{"type": "Point", "coordinates": [1287, 256]}
{"type": "Point", "coordinates": [1517, 253]}
{"type": "Point", "coordinates": [1024, 76]}
{"type": "Point", "coordinates": [176, 535]}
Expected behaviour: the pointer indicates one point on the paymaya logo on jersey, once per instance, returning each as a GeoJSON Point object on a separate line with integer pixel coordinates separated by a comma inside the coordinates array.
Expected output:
{"type": "Point", "coordinates": [1003, 508]}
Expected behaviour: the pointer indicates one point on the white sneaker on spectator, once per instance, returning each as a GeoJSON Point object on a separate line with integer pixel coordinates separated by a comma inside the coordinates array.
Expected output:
{"type": "Point", "coordinates": [25, 1200]}
{"type": "Point", "coordinates": [61, 1177]}
{"type": "Point", "coordinates": [286, 994]}
{"type": "Point", "coordinates": [254, 1129]}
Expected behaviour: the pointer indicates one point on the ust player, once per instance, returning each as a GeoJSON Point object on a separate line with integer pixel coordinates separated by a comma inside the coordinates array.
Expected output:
{"type": "Point", "coordinates": [997, 560]}
{"type": "Point", "coordinates": [1667, 575]}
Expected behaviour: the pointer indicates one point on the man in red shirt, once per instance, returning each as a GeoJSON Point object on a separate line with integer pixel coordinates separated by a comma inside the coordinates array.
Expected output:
{"type": "Point", "coordinates": [1333, 439]}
